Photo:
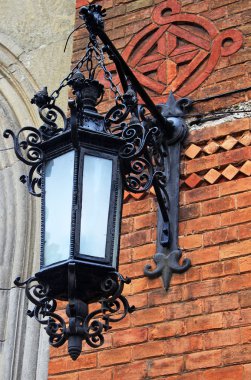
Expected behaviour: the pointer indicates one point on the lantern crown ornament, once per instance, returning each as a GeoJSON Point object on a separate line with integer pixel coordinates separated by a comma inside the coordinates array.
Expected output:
{"type": "Point", "coordinates": [80, 165]}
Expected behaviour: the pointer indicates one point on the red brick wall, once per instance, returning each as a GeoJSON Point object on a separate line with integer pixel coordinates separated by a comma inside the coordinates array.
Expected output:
{"type": "Point", "coordinates": [201, 328]}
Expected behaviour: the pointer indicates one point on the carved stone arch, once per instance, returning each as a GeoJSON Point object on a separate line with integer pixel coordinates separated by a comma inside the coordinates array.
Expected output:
{"type": "Point", "coordinates": [20, 339]}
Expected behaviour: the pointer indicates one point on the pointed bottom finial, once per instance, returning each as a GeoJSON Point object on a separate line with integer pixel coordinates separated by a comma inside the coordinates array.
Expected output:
{"type": "Point", "coordinates": [74, 346]}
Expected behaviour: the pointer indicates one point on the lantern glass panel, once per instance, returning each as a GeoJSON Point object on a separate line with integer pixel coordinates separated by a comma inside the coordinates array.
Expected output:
{"type": "Point", "coordinates": [58, 207]}
{"type": "Point", "coordinates": [97, 180]}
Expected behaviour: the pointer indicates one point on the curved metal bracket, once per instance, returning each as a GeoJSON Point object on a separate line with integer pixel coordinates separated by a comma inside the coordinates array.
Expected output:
{"type": "Point", "coordinates": [169, 254]}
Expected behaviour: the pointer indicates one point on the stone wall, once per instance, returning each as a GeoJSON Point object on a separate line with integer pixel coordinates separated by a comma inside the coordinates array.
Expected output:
{"type": "Point", "coordinates": [32, 38]}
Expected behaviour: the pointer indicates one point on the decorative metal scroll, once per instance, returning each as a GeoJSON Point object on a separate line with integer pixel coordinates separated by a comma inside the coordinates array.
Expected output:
{"type": "Point", "coordinates": [28, 141]}
{"type": "Point", "coordinates": [82, 325]}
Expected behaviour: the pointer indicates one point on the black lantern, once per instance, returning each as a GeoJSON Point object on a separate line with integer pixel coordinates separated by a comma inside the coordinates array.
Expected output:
{"type": "Point", "coordinates": [82, 194]}
{"type": "Point", "coordinates": [80, 166]}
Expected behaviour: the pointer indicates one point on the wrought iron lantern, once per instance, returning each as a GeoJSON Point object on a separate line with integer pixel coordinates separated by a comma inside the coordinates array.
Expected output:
{"type": "Point", "coordinates": [80, 166]}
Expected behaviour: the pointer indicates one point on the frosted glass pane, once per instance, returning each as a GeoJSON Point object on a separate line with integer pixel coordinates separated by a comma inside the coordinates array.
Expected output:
{"type": "Point", "coordinates": [58, 206]}
{"type": "Point", "coordinates": [97, 177]}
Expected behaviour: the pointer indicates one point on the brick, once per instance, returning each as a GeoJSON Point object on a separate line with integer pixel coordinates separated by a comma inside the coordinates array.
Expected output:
{"type": "Point", "coordinates": [184, 309]}
{"type": "Point", "coordinates": [201, 194]}
{"type": "Point", "coordinates": [205, 255]}
{"type": "Point", "coordinates": [246, 316]}
{"type": "Point", "coordinates": [218, 205]}
{"type": "Point", "coordinates": [229, 142]}
{"type": "Point", "coordinates": [233, 187]}
{"type": "Point", "coordinates": [145, 221]}
{"type": "Point", "coordinates": [204, 322]}
{"type": "Point", "coordinates": [234, 156]}
{"type": "Point", "coordinates": [230, 172]}
{"type": "Point", "coordinates": [228, 373]}
{"type": "Point", "coordinates": [245, 298]}
{"type": "Point", "coordinates": [203, 359]}
{"type": "Point", "coordinates": [245, 334]}
{"type": "Point", "coordinates": [124, 323]}
{"type": "Point", "coordinates": [231, 22]}
{"type": "Point", "coordinates": [65, 364]}
{"type": "Point", "coordinates": [245, 139]}
{"type": "Point", "coordinates": [220, 269]}
{"type": "Point", "coordinates": [148, 350]}
{"type": "Point", "coordinates": [148, 316]}
{"type": "Point", "coordinates": [221, 236]}
{"type": "Point", "coordinates": [96, 374]}
{"type": "Point", "coordinates": [80, 3]}
{"type": "Point", "coordinates": [216, 4]}
{"type": "Point", "coordinates": [244, 231]}
{"type": "Point", "coordinates": [190, 242]}
{"type": "Point", "coordinates": [139, 300]}
{"type": "Point", "coordinates": [216, 13]}
{"type": "Point", "coordinates": [203, 163]}
{"type": "Point", "coordinates": [194, 274]}
{"type": "Point", "coordinates": [236, 217]}
{"type": "Point", "coordinates": [212, 176]}
{"type": "Point", "coordinates": [133, 270]}
{"type": "Point", "coordinates": [131, 336]}
{"type": "Point", "coordinates": [133, 371]}
{"type": "Point", "coordinates": [138, 207]}
{"type": "Point", "coordinates": [159, 297]}
{"type": "Point", "coordinates": [184, 344]}
{"type": "Point", "coordinates": [192, 151]}
{"type": "Point", "coordinates": [232, 318]}
{"type": "Point", "coordinates": [58, 351]}
{"type": "Point", "coordinates": [236, 7]}
{"type": "Point", "coordinates": [211, 148]}
{"type": "Point", "coordinates": [144, 251]}
{"type": "Point", "coordinates": [115, 356]}
{"type": "Point", "coordinates": [138, 4]}
{"type": "Point", "coordinates": [235, 249]}
{"type": "Point", "coordinates": [126, 226]}
{"type": "Point", "coordinates": [202, 224]}
{"type": "Point", "coordinates": [243, 199]}
{"type": "Point", "coordinates": [131, 18]}
{"type": "Point", "coordinates": [221, 338]}
{"type": "Point", "coordinates": [167, 366]}
{"type": "Point", "coordinates": [168, 329]}
{"type": "Point", "coordinates": [143, 284]}
{"type": "Point", "coordinates": [136, 238]}
{"type": "Point", "coordinates": [221, 303]}
{"type": "Point", "coordinates": [181, 227]}
{"type": "Point", "coordinates": [193, 180]}
{"type": "Point", "coordinates": [191, 8]}
{"type": "Point", "coordinates": [114, 12]}
{"type": "Point", "coordinates": [71, 376]}
{"type": "Point", "coordinates": [220, 130]}
{"type": "Point", "coordinates": [245, 263]}
{"type": "Point", "coordinates": [237, 354]}
{"type": "Point", "coordinates": [247, 372]}
{"type": "Point", "coordinates": [125, 256]}
{"type": "Point", "coordinates": [235, 283]}
{"type": "Point", "coordinates": [193, 375]}
{"type": "Point", "coordinates": [189, 212]}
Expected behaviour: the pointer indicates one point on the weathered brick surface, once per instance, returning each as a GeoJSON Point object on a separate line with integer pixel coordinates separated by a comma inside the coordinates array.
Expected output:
{"type": "Point", "coordinates": [201, 328]}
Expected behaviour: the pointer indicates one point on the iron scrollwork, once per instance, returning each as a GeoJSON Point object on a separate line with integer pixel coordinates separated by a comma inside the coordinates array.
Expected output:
{"type": "Point", "coordinates": [82, 325]}
{"type": "Point", "coordinates": [28, 141]}
{"type": "Point", "coordinates": [150, 157]}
